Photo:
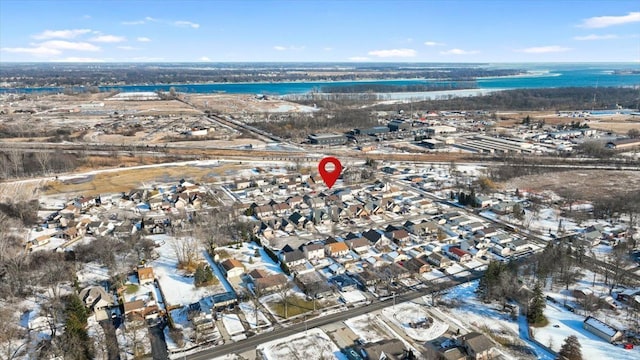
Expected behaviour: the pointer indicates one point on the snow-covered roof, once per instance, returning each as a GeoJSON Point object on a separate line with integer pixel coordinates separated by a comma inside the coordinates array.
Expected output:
{"type": "Point", "coordinates": [600, 326]}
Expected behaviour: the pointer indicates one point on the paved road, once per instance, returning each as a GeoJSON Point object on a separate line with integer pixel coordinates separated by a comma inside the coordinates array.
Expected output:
{"type": "Point", "coordinates": [253, 342]}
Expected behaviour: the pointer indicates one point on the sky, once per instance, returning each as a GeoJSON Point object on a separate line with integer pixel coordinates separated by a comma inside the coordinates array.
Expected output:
{"type": "Point", "coordinates": [496, 31]}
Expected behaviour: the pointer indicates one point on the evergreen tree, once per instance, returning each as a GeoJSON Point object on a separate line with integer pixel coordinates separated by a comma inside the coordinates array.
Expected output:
{"type": "Point", "coordinates": [570, 350]}
{"type": "Point", "coordinates": [535, 313]}
{"type": "Point", "coordinates": [203, 275]}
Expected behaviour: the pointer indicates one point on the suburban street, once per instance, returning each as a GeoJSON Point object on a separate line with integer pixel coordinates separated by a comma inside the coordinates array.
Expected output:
{"type": "Point", "coordinates": [253, 342]}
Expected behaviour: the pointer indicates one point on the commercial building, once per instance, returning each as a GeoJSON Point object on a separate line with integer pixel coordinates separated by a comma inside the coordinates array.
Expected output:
{"type": "Point", "coordinates": [327, 139]}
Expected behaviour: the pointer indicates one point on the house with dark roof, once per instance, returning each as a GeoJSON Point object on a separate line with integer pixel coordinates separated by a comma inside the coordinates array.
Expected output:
{"type": "Point", "coordinates": [293, 258]}
{"type": "Point", "coordinates": [392, 349]}
{"type": "Point", "coordinates": [477, 345]}
{"type": "Point", "coordinates": [232, 268]}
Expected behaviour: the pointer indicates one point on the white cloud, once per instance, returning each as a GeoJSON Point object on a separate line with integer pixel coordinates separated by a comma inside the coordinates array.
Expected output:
{"type": "Point", "coordinates": [328, 49]}
{"type": "Point", "coordinates": [37, 51]}
{"type": "Point", "coordinates": [458, 52]}
{"type": "Point", "coordinates": [60, 34]}
{"type": "Point", "coordinates": [108, 39]}
{"type": "Point", "coordinates": [292, 48]}
{"type": "Point", "coordinates": [544, 49]}
{"type": "Point", "coordinates": [204, 58]}
{"type": "Point", "coordinates": [595, 37]}
{"type": "Point", "coordinates": [86, 17]}
{"type": "Point", "coordinates": [134, 22]}
{"type": "Point", "coordinates": [393, 53]}
{"type": "Point", "coordinates": [433, 43]}
{"type": "Point", "coordinates": [182, 23]}
{"type": "Point", "coordinates": [69, 45]}
{"type": "Point", "coordinates": [606, 21]}
{"type": "Point", "coordinates": [143, 39]}
{"type": "Point", "coordinates": [359, 58]}
{"type": "Point", "coordinates": [78, 59]}
{"type": "Point", "coordinates": [126, 47]}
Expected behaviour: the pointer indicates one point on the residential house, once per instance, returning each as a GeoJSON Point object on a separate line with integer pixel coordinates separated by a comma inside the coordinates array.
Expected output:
{"type": "Point", "coordinates": [392, 349]}
{"type": "Point", "coordinates": [337, 249]}
{"type": "Point", "coordinates": [501, 239]}
{"type": "Point", "coordinates": [485, 201]}
{"type": "Point", "coordinates": [232, 268]}
{"type": "Point", "coordinates": [263, 211]}
{"type": "Point", "coordinates": [439, 260]}
{"type": "Point", "coordinates": [477, 345]}
{"type": "Point", "coordinates": [145, 275]}
{"type": "Point", "coordinates": [344, 282]}
{"type": "Point", "coordinates": [592, 238]}
{"type": "Point", "coordinates": [132, 307]}
{"type": "Point", "coordinates": [601, 329]}
{"type": "Point", "coordinates": [281, 208]}
{"type": "Point", "coordinates": [503, 208]}
{"type": "Point", "coordinates": [399, 236]}
{"type": "Point", "coordinates": [265, 282]}
{"type": "Point", "coordinates": [295, 201]}
{"type": "Point", "coordinates": [455, 353]}
{"type": "Point", "coordinates": [421, 228]}
{"type": "Point", "coordinates": [417, 265]}
{"type": "Point", "coordinates": [500, 250]}
{"type": "Point", "coordinates": [41, 240]}
{"type": "Point", "coordinates": [313, 251]}
{"type": "Point", "coordinates": [97, 299]}
{"type": "Point", "coordinates": [459, 255]}
{"type": "Point", "coordinates": [359, 245]}
{"type": "Point", "coordinates": [519, 245]}
{"type": "Point", "coordinates": [293, 258]}
{"type": "Point", "coordinates": [367, 277]}
{"type": "Point", "coordinates": [395, 256]}
{"type": "Point", "coordinates": [377, 238]}
{"type": "Point", "coordinates": [313, 284]}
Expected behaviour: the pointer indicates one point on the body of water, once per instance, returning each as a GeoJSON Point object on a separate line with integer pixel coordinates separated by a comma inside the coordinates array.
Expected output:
{"type": "Point", "coordinates": [537, 76]}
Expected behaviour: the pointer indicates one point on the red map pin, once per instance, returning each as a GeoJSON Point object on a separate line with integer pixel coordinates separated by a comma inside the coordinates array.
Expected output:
{"type": "Point", "coordinates": [330, 177]}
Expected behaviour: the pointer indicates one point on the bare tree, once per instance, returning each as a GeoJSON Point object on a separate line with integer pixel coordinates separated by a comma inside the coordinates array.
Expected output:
{"type": "Point", "coordinates": [43, 157]}
{"type": "Point", "coordinates": [283, 291]}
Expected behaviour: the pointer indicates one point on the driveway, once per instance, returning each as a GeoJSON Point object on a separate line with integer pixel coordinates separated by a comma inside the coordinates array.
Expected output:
{"type": "Point", "coordinates": [158, 343]}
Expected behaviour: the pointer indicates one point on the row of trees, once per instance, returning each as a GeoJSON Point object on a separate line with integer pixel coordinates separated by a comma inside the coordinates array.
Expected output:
{"type": "Point", "coordinates": [569, 98]}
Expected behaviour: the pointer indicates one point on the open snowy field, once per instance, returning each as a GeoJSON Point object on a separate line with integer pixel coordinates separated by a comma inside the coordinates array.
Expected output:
{"type": "Point", "coordinates": [179, 289]}
{"type": "Point", "coordinates": [368, 328]}
{"type": "Point", "coordinates": [404, 315]}
{"type": "Point", "coordinates": [311, 344]}
{"type": "Point", "coordinates": [593, 347]}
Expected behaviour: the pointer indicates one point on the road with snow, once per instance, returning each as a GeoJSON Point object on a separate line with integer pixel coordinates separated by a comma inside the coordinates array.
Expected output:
{"type": "Point", "coordinates": [252, 342]}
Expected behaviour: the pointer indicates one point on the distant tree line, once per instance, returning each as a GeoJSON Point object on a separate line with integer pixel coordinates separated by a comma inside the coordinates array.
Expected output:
{"type": "Point", "coordinates": [298, 126]}
{"type": "Point", "coordinates": [385, 88]}
{"type": "Point", "coordinates": [43, 75]}
{"type": "Point", "coordinates": [569, 98]}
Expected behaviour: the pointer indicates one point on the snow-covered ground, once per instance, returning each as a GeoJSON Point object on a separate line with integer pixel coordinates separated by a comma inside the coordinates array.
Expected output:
{"type": "Point", "coordinates": [232, 323]}
{"type": "Point", "coordinates": [311, 344]}
{"type": "Point", "coordinates": [250, 315]}
{"type": "Point", "coordinates": [435, 276]}
{"type": "Point", "coordinates": [92, 273]}
{"type": "Point", "coordinates": [367, 328]}
{"type": "Point", "coordinates": [466, 312]}
{"type": "Point", "coordinates": [178, 289]}
{"type": "Point", "coordinates": [568, 323]}
{"type": "Point", "coordinates": [403, 315]}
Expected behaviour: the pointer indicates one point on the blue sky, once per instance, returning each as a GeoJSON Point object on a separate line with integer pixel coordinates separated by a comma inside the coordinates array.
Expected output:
{"type": "Point", "coordinates": [324, 31]}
